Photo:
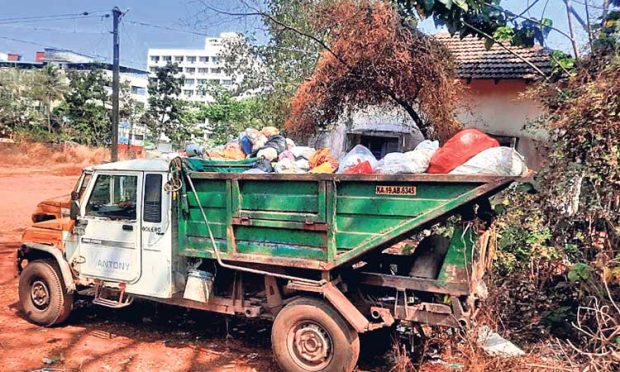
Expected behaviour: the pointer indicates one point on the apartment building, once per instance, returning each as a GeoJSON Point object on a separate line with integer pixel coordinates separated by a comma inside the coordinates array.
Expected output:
{"type": "Point", "coordinates": [199, 66]}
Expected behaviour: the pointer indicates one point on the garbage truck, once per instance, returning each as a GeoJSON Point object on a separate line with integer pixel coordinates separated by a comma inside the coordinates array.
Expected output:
{"type": "Point", "coordinates": [326, 257]}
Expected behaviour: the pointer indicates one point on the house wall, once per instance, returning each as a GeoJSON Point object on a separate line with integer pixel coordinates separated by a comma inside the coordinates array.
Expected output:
{"type": "Point", "coordinates": [498, 108]}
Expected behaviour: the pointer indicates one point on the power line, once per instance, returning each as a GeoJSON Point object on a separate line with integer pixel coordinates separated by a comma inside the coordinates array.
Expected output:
{"type": "Point", "coordinates": [85, 13]}
{"type": "Point", "coordinates": [53, 19]}
{"type": "Point", "coordinates": [145, 24]}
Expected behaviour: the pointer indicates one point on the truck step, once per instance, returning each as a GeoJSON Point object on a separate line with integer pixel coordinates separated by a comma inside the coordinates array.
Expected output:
{"type": "Point", "coordinates": [112, 303]}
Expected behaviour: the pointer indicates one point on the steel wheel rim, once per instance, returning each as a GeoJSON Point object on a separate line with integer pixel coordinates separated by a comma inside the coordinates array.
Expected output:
{"type": "Point", "coordinates": [310, 345]}
{"type": "Point", "coordinates": [40, 294]}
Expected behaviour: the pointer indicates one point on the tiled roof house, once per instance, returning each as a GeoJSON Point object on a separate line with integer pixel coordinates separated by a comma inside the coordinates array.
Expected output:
{"type": "Point", "coordinates": [495, 81]}
{"type": "Point", "coordinates": [475, 62]}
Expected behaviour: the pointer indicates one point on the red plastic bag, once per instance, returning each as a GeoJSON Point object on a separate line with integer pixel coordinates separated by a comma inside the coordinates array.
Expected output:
{"type": "Point", "coordinates": [461, 147]}
{"type": "Point", "coordinates": [362, 167]}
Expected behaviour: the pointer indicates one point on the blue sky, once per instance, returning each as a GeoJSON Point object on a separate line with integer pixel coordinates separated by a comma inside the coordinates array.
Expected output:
{"type": "Point", "coordinates": [91, 34]}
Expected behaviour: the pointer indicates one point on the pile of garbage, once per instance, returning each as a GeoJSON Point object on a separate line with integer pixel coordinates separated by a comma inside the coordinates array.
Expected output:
{"type": "Point", "coordinates": [469, 152]}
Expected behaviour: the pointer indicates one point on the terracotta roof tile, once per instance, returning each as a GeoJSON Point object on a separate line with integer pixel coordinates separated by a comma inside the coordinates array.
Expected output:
{"type": "Point", "coordinates": [474, 61]}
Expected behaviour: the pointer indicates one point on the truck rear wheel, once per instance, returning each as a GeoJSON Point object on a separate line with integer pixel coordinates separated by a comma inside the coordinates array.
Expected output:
{"type": "Point", "coordinates": [310, 335]}
{"type": "Point", "coordinates": [42, 294]}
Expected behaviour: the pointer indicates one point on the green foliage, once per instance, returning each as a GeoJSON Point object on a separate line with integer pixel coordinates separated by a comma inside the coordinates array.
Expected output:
{"type": "Point", "coordinates": [580, 272]}
{"type": "Point", "coordinates": [85, 109]}
{"type": "Point", "coordinates": [228, 115]}
{"type": "Point", "coordinates": [274, 70]}
{"type": "Point", "coordinates": [166, 111]}
{"type": "Point", "coordinates": [19, 108]}
{"type": "Point", "coordinates": [476, 17]}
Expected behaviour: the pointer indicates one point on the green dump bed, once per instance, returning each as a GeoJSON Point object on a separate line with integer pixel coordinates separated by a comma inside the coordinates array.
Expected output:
{"type": "Point", "coordinates": [317, 221]}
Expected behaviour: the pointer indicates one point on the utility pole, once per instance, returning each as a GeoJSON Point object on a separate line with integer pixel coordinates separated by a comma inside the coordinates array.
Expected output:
{"type": "Point", "coordinates": [116, 15]}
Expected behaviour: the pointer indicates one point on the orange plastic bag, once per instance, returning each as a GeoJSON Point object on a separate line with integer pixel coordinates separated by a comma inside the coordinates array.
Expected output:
{"type": "Point", "coordinates": [362, 167]}
{"type": "Point", "coordinates": [461, 147]}
{"type": "Point", "coordinates": [323, 156]}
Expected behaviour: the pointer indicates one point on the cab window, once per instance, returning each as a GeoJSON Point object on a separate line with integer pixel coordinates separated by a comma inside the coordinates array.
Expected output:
{"type": "Point", "coordinates": [114, 197]}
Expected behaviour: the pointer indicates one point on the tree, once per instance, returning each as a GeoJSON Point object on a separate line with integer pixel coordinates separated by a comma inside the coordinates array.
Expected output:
{"type": "Point", "coordinates": [86, 108]}
{"type": "Point", "coordinates": [273, 71]}
{"type": "Point", "coordinates": [18, 106]}
{"type": "Point", "coordinates": [228, 115]}
{"type": "Point", "coordinates": [373, 59]}
{"type": "Point", "coordinates": [165, 108]}
{"type": "Point", "coordinates": [51, 86]}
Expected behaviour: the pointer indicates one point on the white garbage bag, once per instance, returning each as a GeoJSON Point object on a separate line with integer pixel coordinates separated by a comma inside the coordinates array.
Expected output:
{"type": "Point", "coordinates": [415, 161]}
{"type": "Point", "coordinates": [302, 152]}
{"type": "Point", "coordinates": [358, 154]}
{"type": "Point", "coordinates": [496, 161]}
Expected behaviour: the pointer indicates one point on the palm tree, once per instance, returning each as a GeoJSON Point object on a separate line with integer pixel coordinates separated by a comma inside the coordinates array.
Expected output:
{"type": "Point", "coordinates": [51, 86]}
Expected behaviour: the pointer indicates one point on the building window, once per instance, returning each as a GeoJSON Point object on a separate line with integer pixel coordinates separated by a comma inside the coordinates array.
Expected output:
{"type": "Point", "coordinates": [178, 58]}
{"type": "Point", "coordinates": [138, 137]}
{"type": "Point", "coordinates": [216, 70]}
{"type": "Point", "coordinates": [215, 60]}
{"type": "Point", "coordinates": [153, 69]}
{"type": "Point", "coordinates": [204, 59]}
{"type": "Point", "coordinates": [188, 92]}
{"type": "Point", "coordinates": [190, 70]}
{"type": "Point", "coordinates": [154, 58]}
{"type": "Point", "coordinates": [214, 81]}
{"type": "Point", "coordinates": [167, 58]}
{"type": "Point", "coordinates": [201, 81]}
{"type": "Point", "coordinates": [203, 70]}
{"type": "Point", "coordinates": [191, 59]}
{"type": "Point", "coordinates": [227, 82]}
{"type": "Point", "coordinates": [189, 82]}
{"type": "Point", "coordinates": [138, 90]}
{"type": "Point", "coordinates": [506, 141]}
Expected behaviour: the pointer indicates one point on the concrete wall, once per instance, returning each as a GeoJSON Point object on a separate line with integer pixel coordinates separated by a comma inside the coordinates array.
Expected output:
{"type": "Point", "coordinates": [498, 108]}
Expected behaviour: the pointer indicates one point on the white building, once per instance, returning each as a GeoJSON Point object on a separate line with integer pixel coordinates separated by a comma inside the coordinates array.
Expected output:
{"type": "Point", "coordinates": [199, 66]}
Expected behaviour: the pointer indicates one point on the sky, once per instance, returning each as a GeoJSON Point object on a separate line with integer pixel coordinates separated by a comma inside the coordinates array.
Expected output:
{"type": "Point", "coordinates": [170, 24]}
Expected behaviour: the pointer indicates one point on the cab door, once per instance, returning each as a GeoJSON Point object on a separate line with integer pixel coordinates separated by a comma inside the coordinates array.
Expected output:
{"type": "Point", "coordinates": [109, 227]}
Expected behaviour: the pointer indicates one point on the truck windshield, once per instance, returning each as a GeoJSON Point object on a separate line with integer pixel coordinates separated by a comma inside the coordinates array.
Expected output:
{"type": "Point", "coordinates": [113, 196]}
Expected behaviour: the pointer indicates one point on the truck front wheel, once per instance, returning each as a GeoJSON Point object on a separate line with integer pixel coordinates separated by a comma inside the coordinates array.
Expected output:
{"type": "Point", "coordinates": [310, 335]}
{"type": "Point", "coordinates": [42, 294]}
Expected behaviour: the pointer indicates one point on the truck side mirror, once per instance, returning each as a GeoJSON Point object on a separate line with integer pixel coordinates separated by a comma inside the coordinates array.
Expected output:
{"type": "Point", "coordinates": [75, 195]}
{"type": "Point", "coordinates": [74, 211]}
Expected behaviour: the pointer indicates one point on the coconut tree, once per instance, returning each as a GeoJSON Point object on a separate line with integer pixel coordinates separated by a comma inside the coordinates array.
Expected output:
{"type": "Point", "coordinates": [50, 86]}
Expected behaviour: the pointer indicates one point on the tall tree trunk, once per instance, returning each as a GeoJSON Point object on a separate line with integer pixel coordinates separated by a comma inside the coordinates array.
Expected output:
{"type": "Point", "coordinates": [48, 109]}
{"type": "Point", "coordinates": [412, 113]}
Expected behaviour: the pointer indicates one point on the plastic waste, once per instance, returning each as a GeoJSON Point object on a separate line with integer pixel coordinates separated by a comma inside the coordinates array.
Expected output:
{"type": "Point", "coordinates": [268, 153]}
{"type": "Point", "coordinates": [302, 165]}
{"type": "Point", "coordinates": [286, 155]}
{"type": "Point", "coordinates": [415, 161]}
{"type": "Point", "coordinates": [286, 166]}
{"type": "Point", "coordinates": [264, 165]}
{"type": "Point", "coordinates": [496, 161]}
{"type": "Point", "coordinates": [323, 168]}
{"type": "Point", "coordinates": [233, 151]}
{"type": "Point", "coordinates": [358, 154]}
{"type": "Point", "coordinates": [321, 156]}
{"type": "Point", "coordinates": [255, 171]}
{"type": "Point", "coordinates": [246, 144]}
{"type": "Point", "coordinates": [194, 149]}
{"type": "Point", "coordinates": [362, 167]}
{"type": "Point", "coordinates": [276, 142]}
{"type": "Point", "coordinates": [290, 144]}
{"type": "Point", "coordinates": [270, 131]}
{"type": "Point", "coordinates": [461, 147]}
{"type": "Point", "coordinates": [303, 152]}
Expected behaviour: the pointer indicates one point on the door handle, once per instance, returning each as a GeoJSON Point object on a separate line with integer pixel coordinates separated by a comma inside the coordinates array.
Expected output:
{"type": "Point", "coordinates": [128, 227]}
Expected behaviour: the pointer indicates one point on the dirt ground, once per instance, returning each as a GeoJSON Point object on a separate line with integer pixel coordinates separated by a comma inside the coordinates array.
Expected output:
{"type": "Point", "coordinates": [138, 338]}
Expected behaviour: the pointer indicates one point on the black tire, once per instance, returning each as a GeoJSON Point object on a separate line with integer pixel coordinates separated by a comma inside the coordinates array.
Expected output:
{"type": "Point", "coordinates": [42, 294]}
{"type": "Point", "coordinates": [310, 335]}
